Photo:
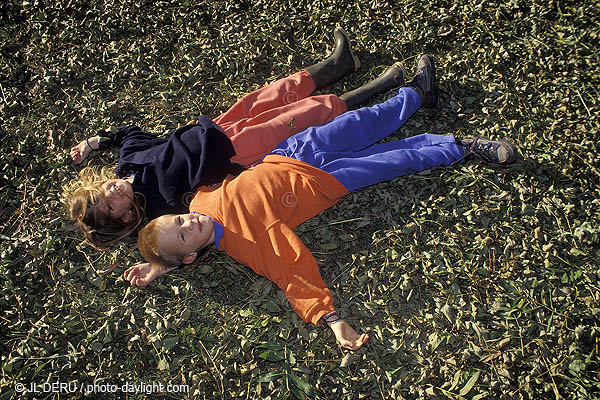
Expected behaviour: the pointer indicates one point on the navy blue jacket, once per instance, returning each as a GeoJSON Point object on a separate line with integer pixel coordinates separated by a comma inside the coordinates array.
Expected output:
{"type": "Point", "coordinates": [168, 171]}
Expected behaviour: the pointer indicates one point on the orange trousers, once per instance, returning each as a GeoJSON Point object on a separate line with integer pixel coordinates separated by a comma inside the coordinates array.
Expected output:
{"type": "Point", "coordinates": [261, 120]}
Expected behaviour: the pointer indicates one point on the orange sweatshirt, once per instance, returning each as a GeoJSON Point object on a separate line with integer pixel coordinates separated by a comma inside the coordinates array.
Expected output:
{"type": "Point", "coordinates": [259, 209]}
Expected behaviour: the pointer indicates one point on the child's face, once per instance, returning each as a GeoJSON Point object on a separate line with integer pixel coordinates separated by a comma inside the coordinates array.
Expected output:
{"type": "Point", "coordinates": [119, 194]}
{"type": "Point", "coordinates": [185, 233]}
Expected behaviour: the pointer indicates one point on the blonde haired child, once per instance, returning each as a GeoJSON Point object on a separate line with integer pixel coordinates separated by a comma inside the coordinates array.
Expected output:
{"type": "Point", "coordinates": [90, 201]}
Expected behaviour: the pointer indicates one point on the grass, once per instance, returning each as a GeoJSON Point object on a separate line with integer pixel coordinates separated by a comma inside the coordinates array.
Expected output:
{"type": "Point", "coordinates": [474, 282]}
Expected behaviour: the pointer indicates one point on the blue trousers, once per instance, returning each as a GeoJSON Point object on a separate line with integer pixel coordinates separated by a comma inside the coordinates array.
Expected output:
{"type": "Point", "coordinates": [345, 147]}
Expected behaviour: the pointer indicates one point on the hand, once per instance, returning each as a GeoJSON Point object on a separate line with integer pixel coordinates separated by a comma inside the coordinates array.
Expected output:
{"type": "Point", "coordinates": [143, 274]}
{"type": "Point", "coordinates": [347, 337]}
{"type": "Point", "coordinates": [80, 152]}
{"type": "Point", "coordinates": [194, 121]}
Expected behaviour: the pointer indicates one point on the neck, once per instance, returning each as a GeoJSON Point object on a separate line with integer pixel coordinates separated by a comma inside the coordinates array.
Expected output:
{"type": "Point", "coordinates": [211, 240]}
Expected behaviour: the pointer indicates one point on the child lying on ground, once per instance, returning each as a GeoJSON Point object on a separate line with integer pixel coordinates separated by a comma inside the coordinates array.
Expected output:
{"type": "Point", "coordinates": [157, 176]}
{"type": "Point", "coordinates": [252, 217]}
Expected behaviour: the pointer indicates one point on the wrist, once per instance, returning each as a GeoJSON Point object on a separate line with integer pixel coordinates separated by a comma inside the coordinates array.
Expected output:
{"type": "Point", "coordinates": [94, 143]}
{"type": "Point", "coordinates": [330, 319]}
{"type": "Point", "coordinates": [163, 269]}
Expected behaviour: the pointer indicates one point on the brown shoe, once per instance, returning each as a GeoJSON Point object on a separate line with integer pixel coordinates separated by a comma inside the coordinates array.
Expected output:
{"type": "Point", "coordinates": [424, 82]}
{"type": "Point", "coordinates": [496, 151]}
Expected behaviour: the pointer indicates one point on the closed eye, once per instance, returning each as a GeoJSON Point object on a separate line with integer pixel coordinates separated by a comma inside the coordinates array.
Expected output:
{"type": "Point", "coordinates": [180, 222]}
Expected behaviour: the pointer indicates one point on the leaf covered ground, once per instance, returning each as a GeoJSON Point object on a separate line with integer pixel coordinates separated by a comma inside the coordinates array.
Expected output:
{"type": "Point", "coordinates": [474, 282]}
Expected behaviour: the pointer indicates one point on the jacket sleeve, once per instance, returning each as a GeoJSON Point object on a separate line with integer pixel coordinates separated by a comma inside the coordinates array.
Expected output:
{"type": "Point", "coordinates": [283, 258]}
{"type": "Point", "coordinates": [129, 139]}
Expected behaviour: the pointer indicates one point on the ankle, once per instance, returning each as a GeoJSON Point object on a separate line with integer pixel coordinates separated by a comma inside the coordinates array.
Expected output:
{"type": "Point", "coordinates": [419, 91]}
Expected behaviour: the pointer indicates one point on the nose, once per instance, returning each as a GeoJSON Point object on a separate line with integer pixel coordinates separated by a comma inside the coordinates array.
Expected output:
{"type": "Point", "coordinates": [110, 193]}
{"type": "Point", "coordinates": [114, 191]}
{"type": "Point", "coordinates": [188, 224]}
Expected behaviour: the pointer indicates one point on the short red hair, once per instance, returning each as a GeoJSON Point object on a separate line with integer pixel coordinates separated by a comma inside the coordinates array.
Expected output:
{"type": "Point", "coordinates": [149, 246]}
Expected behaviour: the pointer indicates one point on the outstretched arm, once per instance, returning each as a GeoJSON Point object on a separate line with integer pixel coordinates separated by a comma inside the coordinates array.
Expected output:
{"type": "Point", "coordinates": [130, 139]}
{"type": "Point", "coordinates": [285, 260]}
{"type": "Point", "coordinates": [143, 274]}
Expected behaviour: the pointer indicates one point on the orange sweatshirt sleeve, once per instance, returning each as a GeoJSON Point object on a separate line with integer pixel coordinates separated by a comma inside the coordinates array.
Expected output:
{"type": "Point", "coordinates": [282, 257]}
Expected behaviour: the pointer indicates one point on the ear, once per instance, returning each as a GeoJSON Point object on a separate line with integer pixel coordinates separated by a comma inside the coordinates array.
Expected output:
{"type": "Point", "coordinates": [190, 258]}
{"type": "Point", "coordinates": [127, 217]}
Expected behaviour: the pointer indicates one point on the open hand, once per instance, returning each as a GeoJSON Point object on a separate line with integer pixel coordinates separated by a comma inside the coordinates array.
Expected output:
{"type": "Point", "coordinates": [80, 152]}
{"type": "Point", "coordinates": [143, 274]}
{"type": "Point", "coordinates": [347, 337]}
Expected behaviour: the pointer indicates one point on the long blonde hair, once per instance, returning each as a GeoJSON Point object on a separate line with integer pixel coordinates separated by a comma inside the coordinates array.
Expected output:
{"type": "Point", "coordinates": [84, 200]}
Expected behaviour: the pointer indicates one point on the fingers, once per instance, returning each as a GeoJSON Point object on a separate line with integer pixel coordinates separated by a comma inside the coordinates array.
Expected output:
{"type": "Point", "coordinates": [148, 276]}
{"type": "Point", "coordinates": [179, 124]}
{"type": "Point", "coordinates": [80, 152]}
{"type": "Point", "coordinates": [141, 281]}
{"type": "Point", "coordinates": [358, 343]}
{"type": "Point", "coordinates": [131, 273]}
{"type": "Point", "coordinates": [141, 274]}
{"type": "Point", "coordinates": [75, 155]}
{"type": "Point", "coordinates": [347, 337]}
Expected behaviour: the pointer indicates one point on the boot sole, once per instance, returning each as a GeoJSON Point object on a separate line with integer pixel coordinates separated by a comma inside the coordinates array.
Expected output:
{"type": "Point", "coordinates": [433, 100]}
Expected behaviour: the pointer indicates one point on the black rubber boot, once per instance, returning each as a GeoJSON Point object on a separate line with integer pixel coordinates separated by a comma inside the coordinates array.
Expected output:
{"type": "Point", "coordinates": [393, 77]}
{"type": "Point", "coordinates": [340, 63]}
